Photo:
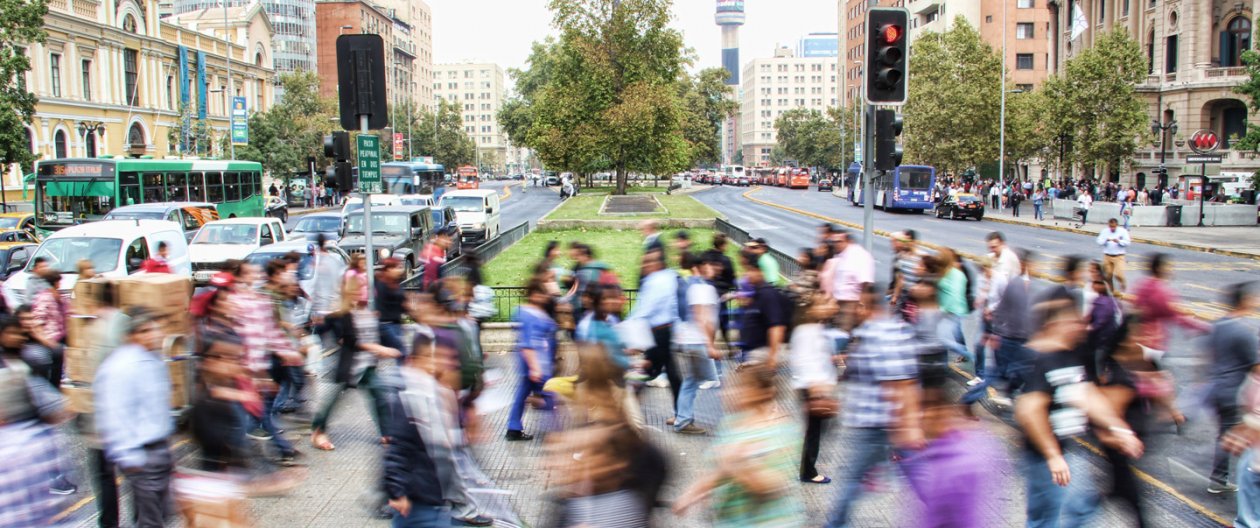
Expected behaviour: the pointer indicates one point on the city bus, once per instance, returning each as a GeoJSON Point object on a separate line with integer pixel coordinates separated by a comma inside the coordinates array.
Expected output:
{"type": "Point", "coordinates": [76, 190]}
{"type": "Point", "coordinates": [468, 178]}
{"type": "Point", "coordinates": [799, 179]}
{"type": "Point", "coordinates": [908, 187]}
{"type": "Point", "coordinates": [781, 178]}
{"type": "Point", "coordinates": [412, 177]}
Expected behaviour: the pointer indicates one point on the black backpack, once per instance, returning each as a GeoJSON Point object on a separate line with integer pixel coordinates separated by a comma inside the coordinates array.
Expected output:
{"type": "Point", "coordinates": [971, 296]}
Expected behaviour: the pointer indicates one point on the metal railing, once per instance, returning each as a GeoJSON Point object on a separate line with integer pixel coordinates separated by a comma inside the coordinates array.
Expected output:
{"type": "Point", "coordinates": [507, 299]}
{"type": "Point", "coordinates": [788, 266]}
{"type": "Point", "coordinates": [486, 251]}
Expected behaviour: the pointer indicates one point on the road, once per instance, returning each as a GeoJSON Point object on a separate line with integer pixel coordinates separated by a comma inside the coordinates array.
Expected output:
{"type": "Point", "coordinates": [1176, 464]}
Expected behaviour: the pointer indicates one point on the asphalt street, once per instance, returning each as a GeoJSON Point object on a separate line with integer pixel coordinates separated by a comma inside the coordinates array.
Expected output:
{"type": "Point", "coordinates": [1176, 465]}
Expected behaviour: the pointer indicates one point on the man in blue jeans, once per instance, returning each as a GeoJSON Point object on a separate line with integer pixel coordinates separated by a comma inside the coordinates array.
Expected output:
{"type": "Point", "coordinates": [694, 338]}
{"type": "Point", "coordinates": [881, 406]}
{"type": "Point", "coordinates": [535, 350]}
{"type": "Point", "coordinates": [1010, 325]}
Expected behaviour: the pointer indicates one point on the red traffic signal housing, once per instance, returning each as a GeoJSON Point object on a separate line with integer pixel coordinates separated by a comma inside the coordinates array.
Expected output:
{"type": "Point", "coordinates": [891, 33]}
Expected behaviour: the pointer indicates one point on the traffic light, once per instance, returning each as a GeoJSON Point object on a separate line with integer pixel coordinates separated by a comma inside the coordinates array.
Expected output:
{"type": "Point", "coordinates": [888, 124]}
{"type": "Point", "coordinates": [337, 146]}
{"type": "Point", "coordinates": [887, 55]}
{"type": "Point", "coordinates": [342, 174]}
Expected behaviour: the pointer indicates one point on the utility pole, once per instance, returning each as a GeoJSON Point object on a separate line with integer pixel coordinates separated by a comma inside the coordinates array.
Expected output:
{"type": "Point", "coordinates": [231, 95]}
{"type": "Point", "coordinates": [1002, 111]}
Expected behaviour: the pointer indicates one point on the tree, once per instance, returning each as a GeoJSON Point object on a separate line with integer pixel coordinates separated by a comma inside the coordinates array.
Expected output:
{"type": "Point", "coordinates": [606, 94]}
{"type": "Point", "coordinates": [951, 117]}
{"type": "Point", "coordinates": [21, 24]}
{"type": "Point", "coordinates": [1097, 102]}
{"type": "Point", "coordinates": [707, 104]}
{"type": "Point", "coordinates": [285, 135]}
{"type": "Point", "coordinates": [1251, 90]}
{"type": "Point", "coordinates": [810, 138]}
{"type": "Point", "coordinates": [450, 145]}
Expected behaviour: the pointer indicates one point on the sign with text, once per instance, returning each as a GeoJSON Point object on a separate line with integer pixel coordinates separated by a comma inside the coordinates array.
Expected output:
{"type": "Point", "coordinates": [398, 146]}
{"type": "Point", "coordinates": [369, 163]}
{"type": "Point", "coordinates": [240, 122]}
{"type": "Point", "coordinates": [1204, 158]}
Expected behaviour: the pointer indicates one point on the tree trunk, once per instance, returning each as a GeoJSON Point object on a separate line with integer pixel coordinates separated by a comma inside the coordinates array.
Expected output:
{"type": "Point", "coordinates": [621, 179]}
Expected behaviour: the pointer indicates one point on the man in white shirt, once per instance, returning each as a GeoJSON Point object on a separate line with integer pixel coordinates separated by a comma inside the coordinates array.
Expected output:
{"type": "Point", "coordinates": [1115, 242]}
{"type": "Point", "coordinates": [1083, 203]}
{"type": "Point", "coordinates": [1007, 265]}
{"type": "Point", "coordinates": [694, 340]}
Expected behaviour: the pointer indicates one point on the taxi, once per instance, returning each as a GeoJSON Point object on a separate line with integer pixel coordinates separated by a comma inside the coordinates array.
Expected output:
{"type": "Point", "coordinates": [14, 256]}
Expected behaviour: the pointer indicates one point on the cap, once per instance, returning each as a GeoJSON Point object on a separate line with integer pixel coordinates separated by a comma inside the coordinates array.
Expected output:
{"type": "Point", "coordinates": [222, 279]}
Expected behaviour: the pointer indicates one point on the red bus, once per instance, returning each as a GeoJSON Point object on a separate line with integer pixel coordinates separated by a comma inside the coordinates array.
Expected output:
{"type": "Point", "coordinates": [781, 178]}
{"type": "Point", "coordinates": [467, 178]}
{"type": "Point", "coordinates": [799, 179]}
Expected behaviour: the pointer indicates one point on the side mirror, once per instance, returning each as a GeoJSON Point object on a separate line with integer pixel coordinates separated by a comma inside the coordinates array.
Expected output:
{"type": "Point", "coordinates": [489, 210]}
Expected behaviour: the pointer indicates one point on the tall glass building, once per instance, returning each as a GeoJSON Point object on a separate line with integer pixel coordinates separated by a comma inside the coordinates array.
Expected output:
{"type": "Point", "coordinates": [293, 47]}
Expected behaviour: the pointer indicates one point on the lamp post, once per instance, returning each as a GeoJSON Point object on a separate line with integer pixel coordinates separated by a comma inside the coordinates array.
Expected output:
{"type": "Point", "coordinates": [1161, 130]}
{"type": "Point", "coordinates": [231, 91]}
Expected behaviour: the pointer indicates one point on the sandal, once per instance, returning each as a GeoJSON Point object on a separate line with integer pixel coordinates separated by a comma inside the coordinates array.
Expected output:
{"type": "Point", "coordinates": [320, 441]}
{"type": "Point", "coordinates": [818, 479]}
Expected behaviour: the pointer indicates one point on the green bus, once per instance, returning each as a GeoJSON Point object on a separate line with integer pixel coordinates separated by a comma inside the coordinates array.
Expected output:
{"type": "Point", "coordinates": [73, 191]}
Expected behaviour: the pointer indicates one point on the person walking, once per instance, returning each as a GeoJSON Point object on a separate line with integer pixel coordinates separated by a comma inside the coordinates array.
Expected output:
{"type": "Point", "coordinates": [1114, 241]}
{"type": "Point", "coordinates": [812, 361]}
{"type": "Point", "coordinates": [845, 275]}
{"type": "Point", "coordinates": [1017, 198]}
{"type": "Point", "coordinates": [1010, 327]}
{"type": "Point", "coordinates": [1083, 203]}
{"type": "Point", "coordinates": [1233, 346]}
{"type": "Point", "coordinates": [694, 340]}
{"type": "Point", "coordinates": [535, 356]}
{"type": "Point", "coordinates": [158, 263]}
{"type": "Point", "coordinates": [1039, 201]}
{"type": "Point", "coordinates": [766, 315]}
{"type": "Point", "coordinates": [881, 401]}
{"type": "Point", "coordinates": [132, 391]}
{"type": "Point", "coordinates": [769, 266]}
{"type": "Point", "coordinates": [107, 330]}
{"type": "Point", "coordinates": [390, 301]}
{"type": "Point", "coordinates": [433, 256]}
{"type": "Point", "coordinates": [657, 305]}
{"type": "Point", "coordinates": [1156, 301]}
{"type": "Point", "coordinates": [50, 312]}
{"type": "Point", "coordinates": [651, 230]}
{"type": "Point", "coordinates": [906, 269]}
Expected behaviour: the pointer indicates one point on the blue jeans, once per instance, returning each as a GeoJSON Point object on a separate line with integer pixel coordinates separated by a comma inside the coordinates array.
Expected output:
{"type": "Point", "coordinates": [289, 397]}
{"type": "Point", "coordinates": [523, 390]}
{"type": "Point", "coordinates": [269, 425]}
{"type": "Point", "coordinates": [697, 368]}
{"type": "Point", "coordinates": [1248, 492]}
{"type": "Point", "coordinates": [391, 336]}
{"type": "Point", "coordinates": [870, 448]}
{"type": "Point", "coordinates": [422, 516]}
{"type": "Point", "coordinates": [1011, 359]}
{"type": "Point", "coordinates": [1047, 501]}
{"type": "Point", "coordinates": [1037, 211]}
{"type": "Point", "coordinates": [950, 331]}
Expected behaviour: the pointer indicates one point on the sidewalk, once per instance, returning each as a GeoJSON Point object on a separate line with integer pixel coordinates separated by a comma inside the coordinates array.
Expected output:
{"type": "Point", "coordinates": [1241, 242]}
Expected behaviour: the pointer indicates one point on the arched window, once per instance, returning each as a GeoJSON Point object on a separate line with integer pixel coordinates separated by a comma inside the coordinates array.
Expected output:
{"type": "Point", "coordinates": [129, 24]}
{"type": "Point", "coordinates": [59, 144]}
{"type": "Point", "coordinates": [1235, 40]}
{"type": "Point", "coordinates": [135, 137]}
{"type": "Point", "coordinates": [89, 144]}
{"type": "Point", "coordinates": [1150, 52]}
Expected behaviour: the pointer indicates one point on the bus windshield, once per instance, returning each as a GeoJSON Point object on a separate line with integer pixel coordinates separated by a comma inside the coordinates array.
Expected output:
{"type": "Point", "coordinates": [65, 203]}
{"type": "Point", "coordinates": [231, 234]}
{"type": "Point", "coordinates": [383, 223]}
{"type": "Point", "coordinates": [916, 179]}
{"type": "Point", "coordinates": [463, 204]}
{"type": "Point", "coordinates": [64, 254]}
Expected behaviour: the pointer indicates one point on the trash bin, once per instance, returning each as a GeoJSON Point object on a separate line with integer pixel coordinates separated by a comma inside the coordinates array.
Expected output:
{"type": "Point", "coordinates": [1174, 215]}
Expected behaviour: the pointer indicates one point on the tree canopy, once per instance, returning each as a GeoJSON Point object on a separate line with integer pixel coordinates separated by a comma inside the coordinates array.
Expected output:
{"type": "Point", "coordinates": [282, 137]}
{"type": "Point", "coordinates": [21, 24]}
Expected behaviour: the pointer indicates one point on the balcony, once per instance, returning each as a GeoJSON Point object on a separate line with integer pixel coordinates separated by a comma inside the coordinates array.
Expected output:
{"type": "Point", "coordinates": [86, 8]}
{"type": "Point", "coordinates": [1231, 71]}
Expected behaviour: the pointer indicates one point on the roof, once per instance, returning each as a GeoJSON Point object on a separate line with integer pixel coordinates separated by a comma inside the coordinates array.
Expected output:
{"type": "Point", "coordinates": [250, 220]}
{"type": "Point", "coordinates": [392, 209]}
{"type": "Point", "coordinates": [213, 16]}
{"type": "Point", "coordinates": [471, 192]}
{"type": "Point", "coordinates": [116, 228]}
{"type": "Point", "coordinates": [16, 215]}
{"type": "Point", "coordinates": [161, 206]}
{"type": "Point", "coordinates": [165, 164]}
{"type": "Point", "coordinates": [321, 214]}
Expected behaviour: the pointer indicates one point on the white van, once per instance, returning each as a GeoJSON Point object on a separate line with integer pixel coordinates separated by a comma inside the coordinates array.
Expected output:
{"type": "Point", "coordinates": [116, 248]}
{"type": "Point", "coordinates": [355, 203]}
{"type": "Point", "coordinates": [478, 212]}
{"type": "Point", "coordinates": [234, 238]}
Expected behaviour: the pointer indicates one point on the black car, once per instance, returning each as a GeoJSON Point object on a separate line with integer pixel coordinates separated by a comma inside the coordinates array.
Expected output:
{"type": "Point", "coordinates": [444, 217]}
{"type": "Point", "coordinates": [397, 231]}
{"type": "Point", "coordinates": [824, 184]}
{"type": "Point", "coordinates": [277, 208]}
{"type": "Point", "coordinates": [961, 206]}
{"type": "Point", "coordinates": [14, 256]}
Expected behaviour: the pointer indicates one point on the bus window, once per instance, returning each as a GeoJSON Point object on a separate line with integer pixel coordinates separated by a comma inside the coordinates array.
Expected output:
{"type": "Point", "coordinates": [154, 190]}
{"type": "Point", "coordinates": [231, 187]}
{"type": "Point", "coordinates": [214, 187]}
{"type": "Point", "coordinates": [129, 188]}
{"type": "Point", "coordinates": [251, 185]}
{"type": "Point", "coordinates": [915, 179]}
{"type": "Point", "coordinates": [196, 187]}
{"type": "Point", "coordinates": [177, 187]}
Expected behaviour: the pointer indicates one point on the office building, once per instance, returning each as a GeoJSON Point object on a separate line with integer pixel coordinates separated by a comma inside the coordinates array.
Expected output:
{"type": "Point", "coordinates": [479, 90]}
{"type": "Point", "coordinates": [775, 85]}
{"type": "Point", "coordinates": [293, 23]}
{"type": "Point", "coordinates": [818, 45]}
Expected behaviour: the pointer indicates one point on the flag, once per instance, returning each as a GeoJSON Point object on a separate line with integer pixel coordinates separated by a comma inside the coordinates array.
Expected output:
{"type": "Point", "coordinates": [1079, 22]}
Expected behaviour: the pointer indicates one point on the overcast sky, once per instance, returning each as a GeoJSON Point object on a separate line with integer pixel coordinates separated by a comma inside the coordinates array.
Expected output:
{"type": "Point", "coordinates": [500, 31]}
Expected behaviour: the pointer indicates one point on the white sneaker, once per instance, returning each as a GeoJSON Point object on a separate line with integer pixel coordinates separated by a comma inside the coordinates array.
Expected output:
{"type": "Point", "coordinates": [710, 385]}
{"type": "Point", "coordinates": [659, 382]}
{"type": "Point", "coordinates": [1001, 400]}
{"type": "Point", "coordinates": [974, 381]}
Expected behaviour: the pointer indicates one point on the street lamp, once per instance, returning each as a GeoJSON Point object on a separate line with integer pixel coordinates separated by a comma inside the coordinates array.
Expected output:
{"type": "Point", "coordinates": [95, 128]}
{"type": "Point", "coordinates": [1161, 129]}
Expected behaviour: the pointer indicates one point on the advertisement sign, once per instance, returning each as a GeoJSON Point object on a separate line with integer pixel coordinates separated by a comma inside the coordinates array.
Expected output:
{"type": "Point", "coordinates": [240, 122]}
{"type": "Point", "coordinates": [398, 146]}
{"type": "Point", "coordinates": [202, 82]}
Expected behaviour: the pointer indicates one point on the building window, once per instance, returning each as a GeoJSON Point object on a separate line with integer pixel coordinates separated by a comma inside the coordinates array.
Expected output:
{"type": "Point", "coordinates": [1124, 8]}
{"type": "Point", "coordinates": [59, 144]}
{"type": "Point", "coordinates": [54, 71]}
{"type": "Point", "coordinates": [131, 74]}
{"type": "Point", "coordinates": [1024, 4]}
{"type": "Point", "coordinates": [1150, 52]}
{"type": "Point", "coordinates": [170, 92]}
{"type": "Point", "coordinates": [1024, 87]}
{"type": "Point", "coordinates": [89, 145]}
{"type": "Point", "coordinates": [87, 80]}
{"type": "Point", "coordinates": [1023, 61]}
{"type": "Point", "coordinates": [1024, 30]}
{"type": "Point", "coordinates": [1235, 40]}
{"type": "Point", "coordinates": [1170, 55]}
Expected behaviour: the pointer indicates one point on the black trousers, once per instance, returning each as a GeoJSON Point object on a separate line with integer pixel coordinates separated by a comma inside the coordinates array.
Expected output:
{"type": "Point", "coordinates": [814, 426]}
{"type": "Point", "coordinates": [104, 479]}
{"type": "Point", "coordinates": [661, 359]}
{"type": "Point", "coordinates": [1124, 484]}
{"type": "Point", "coordinates": [151, 486]}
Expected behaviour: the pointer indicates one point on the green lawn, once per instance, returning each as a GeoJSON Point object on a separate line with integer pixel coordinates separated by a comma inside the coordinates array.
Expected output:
{"type": "Point", "coordinates": [619, 249]}
{"type": "Point", "coordinates": [586, 207]}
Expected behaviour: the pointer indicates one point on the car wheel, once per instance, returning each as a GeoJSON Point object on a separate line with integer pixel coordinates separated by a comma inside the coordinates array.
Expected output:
{"type": "Point", "coordinates": [407, 267]}
{"type": "Point", "coordinates": [284, 217]}
{"type": "Point", "coordinates": [979, 218]}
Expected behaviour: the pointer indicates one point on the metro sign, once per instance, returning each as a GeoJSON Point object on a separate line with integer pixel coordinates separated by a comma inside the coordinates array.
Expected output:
{"type": "Point", "coordinates": [1204, 141]}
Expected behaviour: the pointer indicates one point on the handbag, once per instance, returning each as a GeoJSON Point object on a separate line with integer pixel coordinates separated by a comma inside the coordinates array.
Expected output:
{"type": "Point", "coordinates": [821, 402]}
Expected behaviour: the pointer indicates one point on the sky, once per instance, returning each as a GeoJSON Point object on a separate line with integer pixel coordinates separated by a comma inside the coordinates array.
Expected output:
{"type": "Point", "coordinates": [501, 31]}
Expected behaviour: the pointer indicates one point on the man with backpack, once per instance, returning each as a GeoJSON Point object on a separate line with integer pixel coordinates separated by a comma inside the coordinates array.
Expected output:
{"type": "Point", "coordinates": [694, 344]}
{"type": "Point", "coordinates": [767, 312]}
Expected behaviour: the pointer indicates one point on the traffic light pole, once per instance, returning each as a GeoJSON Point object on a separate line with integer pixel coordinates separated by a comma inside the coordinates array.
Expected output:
{"type": "Point", "coordinates": [368, 250]}
{"type": "Point", "coordinates": [868, 172]}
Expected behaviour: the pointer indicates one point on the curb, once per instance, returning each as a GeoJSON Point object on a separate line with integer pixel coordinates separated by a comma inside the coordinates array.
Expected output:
{"type": "Point", "coordinates": [1174, 245]}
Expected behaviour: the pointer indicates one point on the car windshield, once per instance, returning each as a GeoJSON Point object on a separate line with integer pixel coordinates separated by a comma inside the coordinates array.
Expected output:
{"type": "Point", "coordinates": [64, 254]}
{"type": "Point", "coordinates": [306, 268]}
{"type": "Point", "coordinates": [135, 215]}
{"type": "Point", "coordinates": [415, 201]}
{"type": "Point", "coordinates": [463, 204]}
{"type": "Point", "coordinates": [382, 223]}
{"type": "Point", "coordinates": [318, 224]}
{"type": "Point", "coordinates": [967, 199]}
{"type": "Point", "coordinates": [232, 234]}
{"type": "Point", "coordinates": [9, 222]}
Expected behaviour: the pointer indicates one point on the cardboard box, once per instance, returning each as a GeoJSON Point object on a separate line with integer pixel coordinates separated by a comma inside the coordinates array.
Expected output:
{"type": "Point", "coordinates": [78, 329]}
{"type": "Point", "coordinates": [80, 365]}
{"type": "Point", "coordinates": [78, 399]}
{"type": "Point", "coordinates": [179, 323]}
{"type": "Point", "coordinates": [179, 382]}
{"type": "Point", "coordinates": [161, 292]}
{"type": "Point", "coordinates": [85, 294]}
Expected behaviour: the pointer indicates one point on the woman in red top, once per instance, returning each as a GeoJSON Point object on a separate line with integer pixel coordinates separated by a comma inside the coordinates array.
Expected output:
{"type": "Point", "coordinates": [158, 263]}
{"type": "Point", "coordinates": [1156, 303]}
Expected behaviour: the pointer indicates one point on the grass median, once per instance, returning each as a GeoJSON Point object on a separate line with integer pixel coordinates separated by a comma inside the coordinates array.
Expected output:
{"type": "Point", "coordinates": [586, 207]}
{"type": "Point", "coordinates": [619, 249]}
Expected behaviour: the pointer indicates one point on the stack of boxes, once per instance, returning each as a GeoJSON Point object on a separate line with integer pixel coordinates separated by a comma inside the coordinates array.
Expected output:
{"type": "Point", "coordinates": [165, 294]}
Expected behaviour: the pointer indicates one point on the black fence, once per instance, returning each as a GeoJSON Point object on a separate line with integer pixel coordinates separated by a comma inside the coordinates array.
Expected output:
{"type": "Point", "coordinates": [507, 299]}
{"type": "Point", "coordinates": [788, 266]}
{"type": "Point", "coordinates": [486, 251]}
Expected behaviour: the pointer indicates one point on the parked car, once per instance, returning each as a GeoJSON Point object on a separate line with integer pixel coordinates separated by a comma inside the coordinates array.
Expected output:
{"type": "Point", "coordinates": [310, 226]}
{"type": "Point", "coordinates": [18, 235]}
{"type": "Point", "coordinates": [961, 205]}
{"type": "Point", "coordinates": [397, 231]}
{"type": "Point", "coordinates": [824, 184]}
{"type": "Point", "coordinates": [25, 221]}
{"type": "Point", "coordinates": [444, 217]}
{"type": "Point", "coordinates": [14, 256]}
{"type": "Point", "coordinates": [306, 266]}
{"type": "Point", "coordinates": [478, 213]}
{"type": "Point", "coordinates": [277, 208]}
{"type": "Point", "coordinates": [116, 248]}
{"type": "Point", "coordinates": [233, 238]}
{"type": "Point", "coordinates": [742, 181]}
{"type": "Point", "coordinates": [190, 215]}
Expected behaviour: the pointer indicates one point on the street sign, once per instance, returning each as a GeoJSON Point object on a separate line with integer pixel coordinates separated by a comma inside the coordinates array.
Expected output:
{"type": "Point", "coordinates": [398, 146]}
{"type": "Point", "coordinates": [240, 122]}
{"type": "Point", "coordinates": [857, 152]}
{"type": "Point", "coordinates": [369, 163]}
{"type": "Point", "coordinates": [1204, 158]}
{"type": "Point", "coordinates": [1204, 142]}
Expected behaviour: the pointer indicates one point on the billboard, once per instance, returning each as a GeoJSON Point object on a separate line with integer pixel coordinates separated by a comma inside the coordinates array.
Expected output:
{"type": "Point", "coordinates": [240, 122]}
{"type": "Point", "coordinates": [730, 6]}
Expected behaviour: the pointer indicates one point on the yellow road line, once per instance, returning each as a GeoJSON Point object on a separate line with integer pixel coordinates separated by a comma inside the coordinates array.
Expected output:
{"type": "Point", "coordinates": [1163, 487]}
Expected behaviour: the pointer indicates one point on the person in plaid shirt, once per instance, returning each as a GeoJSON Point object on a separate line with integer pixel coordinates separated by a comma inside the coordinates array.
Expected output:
{"type": "Point", "coordinates": [262, 338]}
{"type": "Point", "coordinates": [882, 398]}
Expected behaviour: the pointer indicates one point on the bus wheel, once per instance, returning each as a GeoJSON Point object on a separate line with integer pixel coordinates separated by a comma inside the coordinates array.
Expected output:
{"type": "Point", "coordinates": [232, 216]}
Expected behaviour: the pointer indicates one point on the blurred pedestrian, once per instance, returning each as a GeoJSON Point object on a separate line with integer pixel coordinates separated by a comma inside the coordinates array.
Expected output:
{"type": "Point", "coordinates": [682, 246]}
{"type": "Point", "coordinates": [86, 269]}
{"type": "Point", "coordinates": [50, 313]}
{"type": "Point", "coordinates": [753, 460]}
{"type": "Point", "coordinates": [133, 416]}
{"type": "Point", "coordinates": [952, 287]}
{"type": "Point", "coordinates": [107, 329]}
{"type": "Point", "coordinates": [658, 306]}
{"type": "Point", "coordinates": [763, 329]}
{"type": "Point", "coordinates": [390, 301]}
{"type": "Point", "coordinates": [535, 354]}
{"type": "Point", "coordinates": [433, 256]}
{"type": "Point", "coordinates": [907, 259]}
{"type": "Point", "coordinates": [769, 266]}
{"type": "Point", "coordinates": [158, 263]}
{"type": "Point", "coordinates": [693, 339]}
{"type": "Point", "coordinates": [724, 281]}
{"type": "Point", "coordinates": [1232, 345]}
{"type": "Point", "coordinates": [1010, 325]}
{"type": "Point", "coordinates": [1156, 301]}
{"type": "Point", "coordinates": [845, 275]}
{"type": "Point", "coordinates": [651, 230]}
{"type": "Point", "coordinates": [881, 401]}
{"type": "Point", "coordinates": [1114, 241]}
{"type": "Point", "coordinates": [812, 359]}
